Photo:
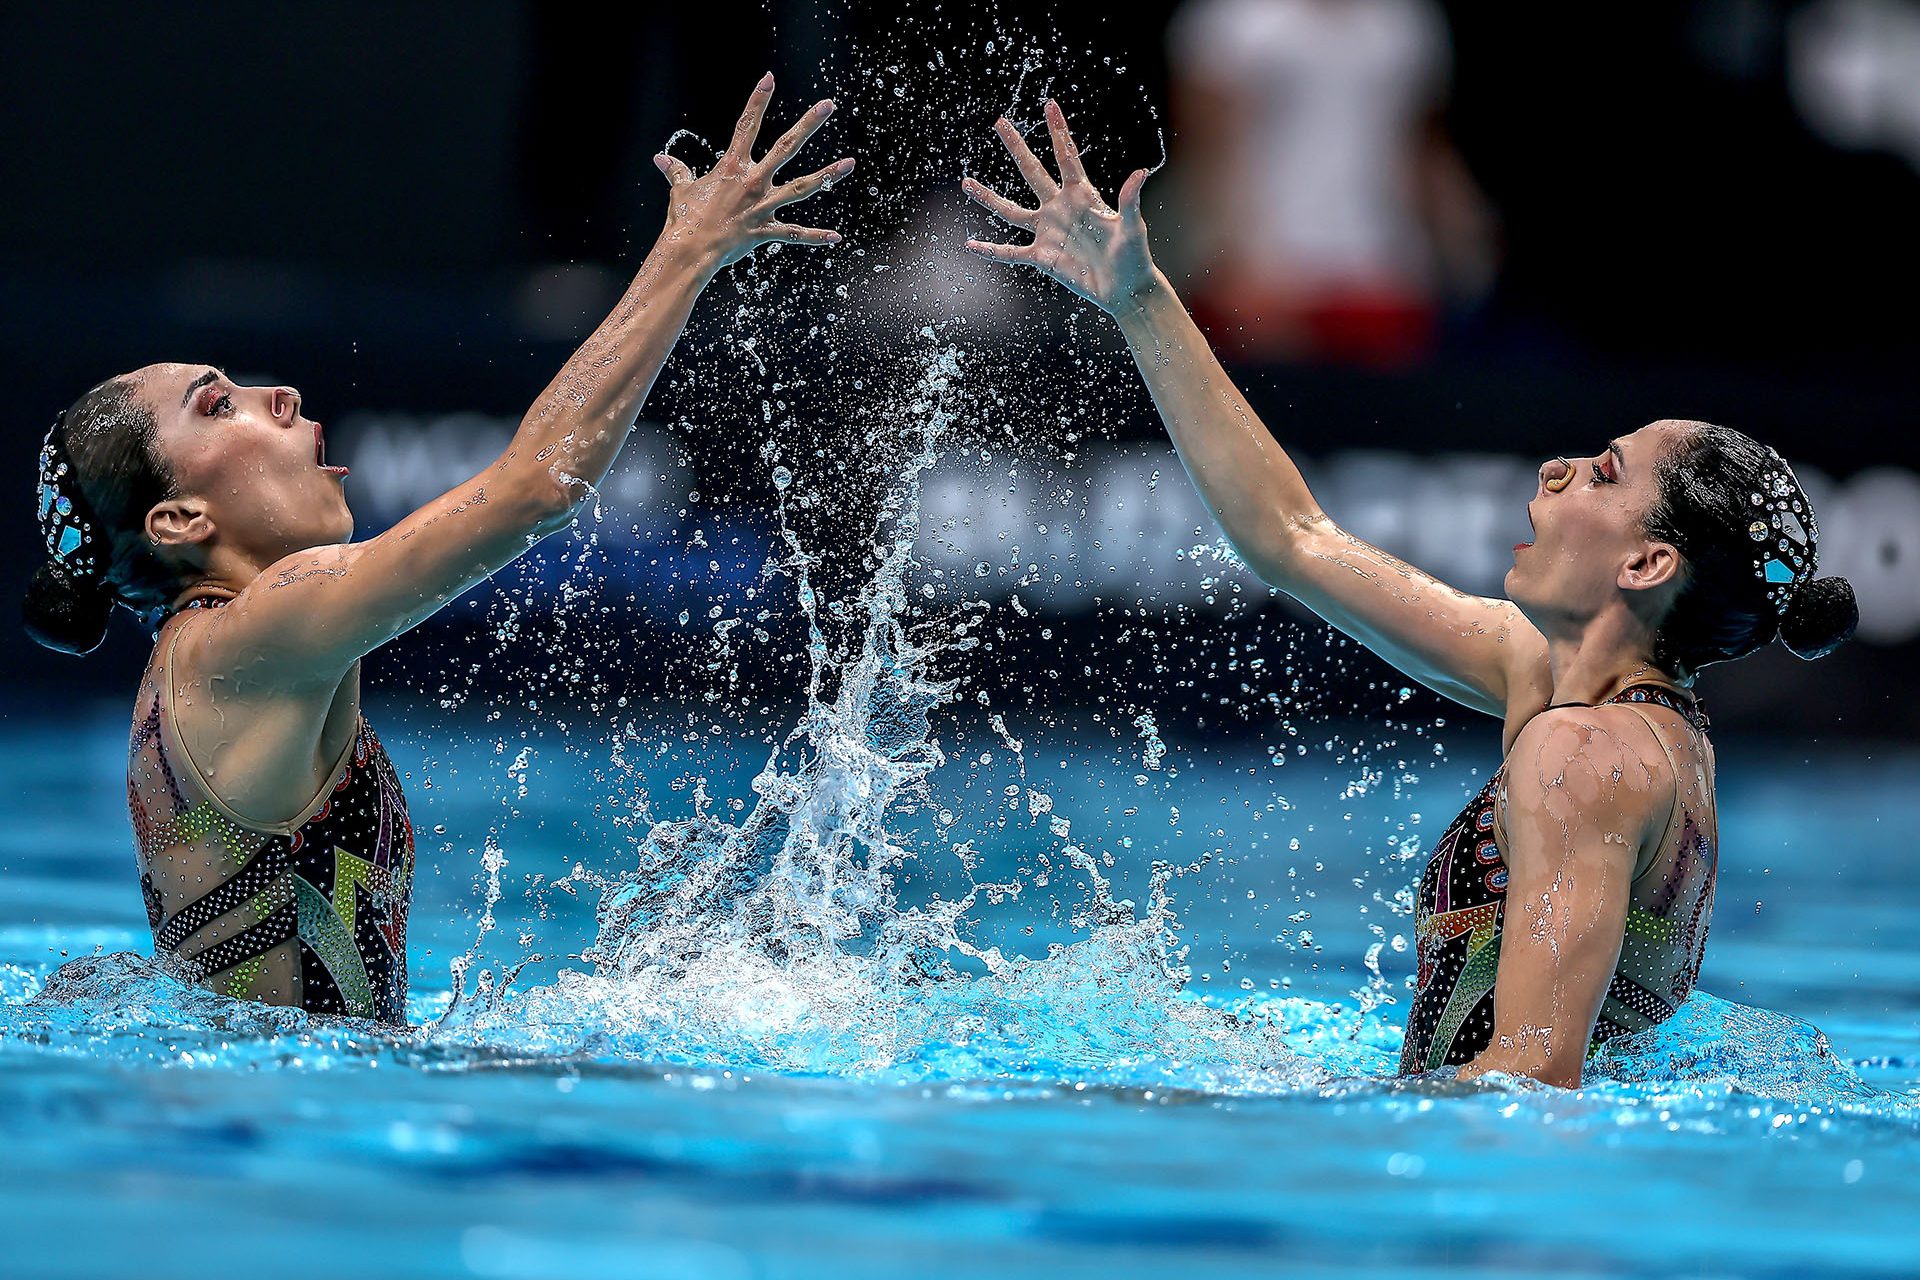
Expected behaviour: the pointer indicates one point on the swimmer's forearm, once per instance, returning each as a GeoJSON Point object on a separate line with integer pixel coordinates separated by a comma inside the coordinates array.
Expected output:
{"type": "Point", "coordinates": [322, 610]}
{"type": "Point", "coordinates": [318, 612]}
{"type": "Point", "coordinates": [570, 437]}
{"type": "Point", "coordinates": [1254, 490]}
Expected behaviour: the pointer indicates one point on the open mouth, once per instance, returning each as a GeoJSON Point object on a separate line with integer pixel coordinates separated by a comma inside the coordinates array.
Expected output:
{"type": "Point", "coordinates": [320, 454]}
{"type": "Point", "coordinates": [1522, 546]}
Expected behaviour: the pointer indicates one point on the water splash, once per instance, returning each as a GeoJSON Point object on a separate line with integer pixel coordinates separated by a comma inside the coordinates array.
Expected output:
{"type": "Point", "coordinates": [778, 940]}
{"type": "Point", "coordinates": [1752, 1051]}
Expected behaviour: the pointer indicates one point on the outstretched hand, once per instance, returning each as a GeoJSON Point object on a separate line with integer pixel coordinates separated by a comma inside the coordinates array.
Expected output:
{"type": "Point", "coordinates": [728, 211]}
{"type": "Point", "coordinates": [1099, 253]}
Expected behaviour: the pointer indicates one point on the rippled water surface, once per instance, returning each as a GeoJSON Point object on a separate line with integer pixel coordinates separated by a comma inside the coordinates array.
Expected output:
{"type": "Point", "coordinates": [730, 1109]}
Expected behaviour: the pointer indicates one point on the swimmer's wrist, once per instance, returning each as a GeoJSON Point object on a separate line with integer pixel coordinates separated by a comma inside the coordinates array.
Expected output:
{"type": "Point", "coordinates": [1140, 300]}
{"type": "Point", "coordinates": [685, 256]}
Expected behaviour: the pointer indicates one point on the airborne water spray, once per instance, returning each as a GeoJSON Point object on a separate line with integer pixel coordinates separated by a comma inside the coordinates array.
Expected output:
{"type": "Point", "coordinates": [778, 940]}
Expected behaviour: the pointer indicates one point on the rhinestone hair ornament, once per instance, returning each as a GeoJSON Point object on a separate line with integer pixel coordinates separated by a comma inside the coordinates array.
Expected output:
{"type": "Point", "coordinates": [1784, 533]}
{"type": "Point", "coordinates": [66, 522]}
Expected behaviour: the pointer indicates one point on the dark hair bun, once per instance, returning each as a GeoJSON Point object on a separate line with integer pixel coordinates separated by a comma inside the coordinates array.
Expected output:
{"type": "Point", "coordinates": [1820, 618]}
{"type": "Point", "coordinates": [64, 612]}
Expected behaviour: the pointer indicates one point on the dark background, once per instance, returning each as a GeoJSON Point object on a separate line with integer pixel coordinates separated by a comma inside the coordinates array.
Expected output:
{"type": "Point", "coordinates": [420, 210]}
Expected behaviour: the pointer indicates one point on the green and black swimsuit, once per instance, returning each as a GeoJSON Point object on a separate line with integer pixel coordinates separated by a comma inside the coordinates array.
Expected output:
{"type": "Point", "coordinates": [310, 913]}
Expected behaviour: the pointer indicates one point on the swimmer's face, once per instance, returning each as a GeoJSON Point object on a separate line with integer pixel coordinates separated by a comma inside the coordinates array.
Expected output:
{"type": "Point", "coordinates": [247, 460]}
{"type": "Point", "coordinates": [1590, 541]}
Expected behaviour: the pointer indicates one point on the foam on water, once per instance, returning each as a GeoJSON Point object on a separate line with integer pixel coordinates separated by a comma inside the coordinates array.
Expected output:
{"type": "Point", "coordinates": [1087, 1017]}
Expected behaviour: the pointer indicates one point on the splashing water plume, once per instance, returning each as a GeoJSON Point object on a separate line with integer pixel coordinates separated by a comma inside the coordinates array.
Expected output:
{"type": "Point", "coordinates": [778, 942]}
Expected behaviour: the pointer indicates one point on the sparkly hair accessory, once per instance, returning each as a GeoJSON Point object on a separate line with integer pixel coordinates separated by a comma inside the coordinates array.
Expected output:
{"type": "Point", "coordinates": [65, 522]}
{"type": "Point", "coordinates": [1784, 533]}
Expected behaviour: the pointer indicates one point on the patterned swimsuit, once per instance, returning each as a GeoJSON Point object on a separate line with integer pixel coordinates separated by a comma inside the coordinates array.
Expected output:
{"type": "Point", "coordinates": [1462, 898]}
{"type": "Point", "coordinates": [310, 913]}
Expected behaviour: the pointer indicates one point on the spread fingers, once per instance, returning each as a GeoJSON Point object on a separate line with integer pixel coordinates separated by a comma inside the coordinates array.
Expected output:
{"type": "Point", "coordinates": [801, 188]}
{"type": "Point", "coordinates": [796, 137]}
{"type": "Point", "coordinates": [1023, 158]}
{"type": "Point", "coordinates": [1021, 253]}
{"type": "Point", "coordinates": [1066, 155]}
{"type": "Point", "coordinates": [740, 150]}
{"type": "Point", "coordinates": [787, 233]}
{"type": "Point", "coordinates": [998, 205]}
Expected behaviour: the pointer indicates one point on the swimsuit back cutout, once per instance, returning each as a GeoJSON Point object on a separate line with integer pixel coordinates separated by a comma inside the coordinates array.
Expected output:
{"type": "Point", "coordinates": [311, 913]}
{"type": "Point", "coordinates": [1462, 896]}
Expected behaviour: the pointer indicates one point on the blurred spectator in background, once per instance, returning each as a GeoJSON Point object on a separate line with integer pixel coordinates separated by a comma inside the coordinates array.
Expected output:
{"type": "Point", "coordinates": [1331, 217]}
{"type": "Point", "coordinates": [1853, 67]}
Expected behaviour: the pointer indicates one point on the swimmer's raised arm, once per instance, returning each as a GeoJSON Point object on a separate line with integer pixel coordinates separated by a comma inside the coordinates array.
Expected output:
{"type": "Point", "coordinates": [313, 614]}
{"type": "Point", "coordinates": [1476, 650]}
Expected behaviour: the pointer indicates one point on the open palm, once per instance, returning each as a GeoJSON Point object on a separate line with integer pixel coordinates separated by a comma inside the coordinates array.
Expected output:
{"type": "Point", "coordinates": [1098, 252]}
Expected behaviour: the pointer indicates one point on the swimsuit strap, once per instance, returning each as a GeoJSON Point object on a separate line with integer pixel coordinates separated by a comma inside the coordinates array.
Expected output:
{"type": "Point", "coordinates": [1687, 705]}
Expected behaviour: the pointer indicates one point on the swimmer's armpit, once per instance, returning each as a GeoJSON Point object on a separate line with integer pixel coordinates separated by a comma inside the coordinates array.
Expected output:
{"type": "Point", "coordinates": [1580, 801]}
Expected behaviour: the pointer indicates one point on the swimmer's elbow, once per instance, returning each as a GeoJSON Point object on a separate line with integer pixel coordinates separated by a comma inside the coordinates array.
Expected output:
{"type": "Point", "coordinates": [1269, 564]}
{"type": "Point", "coordinates": [1284, 548]}
{"type": "Point", "coordinates": [545, 503]}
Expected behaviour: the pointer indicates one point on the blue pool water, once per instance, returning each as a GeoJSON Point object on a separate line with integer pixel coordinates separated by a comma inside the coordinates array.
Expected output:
{"type": "Point", "coordinates": [1083, 1119]}
{"type": "Point", "coordinates": [900, 983]}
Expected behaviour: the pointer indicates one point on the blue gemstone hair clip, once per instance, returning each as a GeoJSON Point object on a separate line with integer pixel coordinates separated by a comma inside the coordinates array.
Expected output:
{"type": "Point", "coordinates": [64, 521]}
{"type": "Point", "coordinates": [1784, 534]}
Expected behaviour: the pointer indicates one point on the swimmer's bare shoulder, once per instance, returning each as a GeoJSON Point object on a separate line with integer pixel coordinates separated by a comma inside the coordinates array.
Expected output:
{"type": "Point", "coordinates": [263, 747]}
{"type": "Point", "coordinates": [276, 670]}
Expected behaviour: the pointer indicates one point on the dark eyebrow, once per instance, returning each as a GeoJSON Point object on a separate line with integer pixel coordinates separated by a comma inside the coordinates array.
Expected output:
{"type": "Point", "coordinates": [210, 375]}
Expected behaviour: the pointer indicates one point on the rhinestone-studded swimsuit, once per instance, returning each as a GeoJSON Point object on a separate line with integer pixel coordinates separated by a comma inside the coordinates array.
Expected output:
{"type": "Point", "coordinates": [1462, 897]}
{"type": "Point", "coordinates": [310, 913]}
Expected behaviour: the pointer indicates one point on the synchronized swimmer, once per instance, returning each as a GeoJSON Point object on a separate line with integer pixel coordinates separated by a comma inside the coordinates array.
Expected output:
{"type": "Point", "coordinates": [275, 849]}
{"type": "Point", "coordinates": [1675, 546]}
